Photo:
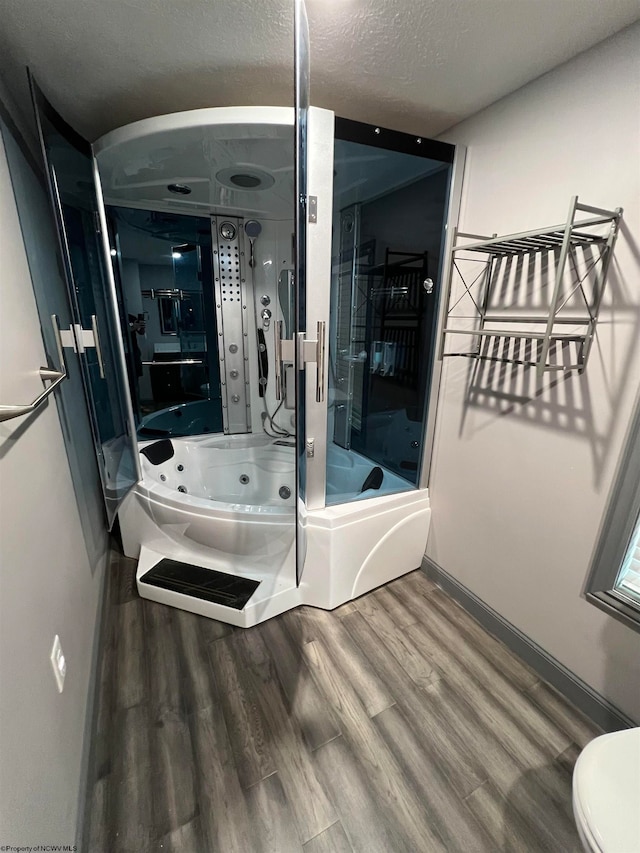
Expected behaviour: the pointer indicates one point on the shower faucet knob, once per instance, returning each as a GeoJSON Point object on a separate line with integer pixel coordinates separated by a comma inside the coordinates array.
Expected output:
{"type": "Point", "coordinates": [265, 299]}
{"type": "Point", "coordinates": [266, 314]}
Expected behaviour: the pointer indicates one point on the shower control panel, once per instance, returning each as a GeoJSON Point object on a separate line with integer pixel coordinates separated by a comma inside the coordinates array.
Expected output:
{"type": "Point", "coordinates": [230, 291]}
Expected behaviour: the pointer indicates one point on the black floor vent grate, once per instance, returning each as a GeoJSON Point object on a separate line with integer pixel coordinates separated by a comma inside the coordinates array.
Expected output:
{"type": "Point", "coordinates": [209, 585]}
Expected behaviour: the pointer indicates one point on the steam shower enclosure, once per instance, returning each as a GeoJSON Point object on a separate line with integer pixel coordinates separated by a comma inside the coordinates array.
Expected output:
{"type": "Point", "coordinates": [259, 293]}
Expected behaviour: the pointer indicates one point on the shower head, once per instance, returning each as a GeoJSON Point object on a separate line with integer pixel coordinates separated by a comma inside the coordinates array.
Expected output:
{"type": "Point", "coordinates": [252, 229]}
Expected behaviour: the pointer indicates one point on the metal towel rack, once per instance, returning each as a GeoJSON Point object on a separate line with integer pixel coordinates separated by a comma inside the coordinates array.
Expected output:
{"type": "Point", "coordinates": [170, 363]}
{"type": "Point", "coordinates": [7, 413]}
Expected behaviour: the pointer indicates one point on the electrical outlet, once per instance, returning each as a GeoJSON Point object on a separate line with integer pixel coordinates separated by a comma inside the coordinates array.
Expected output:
{"type": "Point", "coordinates": [58, 663]}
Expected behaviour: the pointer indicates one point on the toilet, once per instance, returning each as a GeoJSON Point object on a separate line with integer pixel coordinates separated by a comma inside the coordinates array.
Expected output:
{"type": "Point", "coordinates": [606, 793]}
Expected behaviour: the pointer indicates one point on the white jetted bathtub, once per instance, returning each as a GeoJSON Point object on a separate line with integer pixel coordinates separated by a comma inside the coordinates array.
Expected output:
{"type": "Point", "coordinates": [226, 497]}
{"type": "Point", "coordinates": [228, 503]}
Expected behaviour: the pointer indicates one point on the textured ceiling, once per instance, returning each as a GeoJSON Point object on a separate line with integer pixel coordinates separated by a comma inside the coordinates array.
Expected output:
{"type": "Point", "coordinates": [416, 65]}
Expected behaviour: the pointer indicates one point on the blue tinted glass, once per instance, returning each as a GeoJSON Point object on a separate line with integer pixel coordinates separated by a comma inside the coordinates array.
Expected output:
{"type": "Point", "coordinates": [389, 214]}
{"type": "Point", "coordinates": [73, 194]}
{"type": "Point", "coordinates": [163, 266]}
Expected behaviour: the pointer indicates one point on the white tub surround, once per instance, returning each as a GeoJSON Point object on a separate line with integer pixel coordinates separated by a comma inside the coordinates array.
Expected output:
{"type": "Point", "coordinates": [355, 547]}
{"type": "Point", "coordinates": [248, 530]}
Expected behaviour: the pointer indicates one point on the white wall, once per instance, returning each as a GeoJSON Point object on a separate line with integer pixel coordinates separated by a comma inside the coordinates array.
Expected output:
{"type": "Point", "coordinates": [52, 557]}
{"type": "Point", "coordinates": [517, 499]}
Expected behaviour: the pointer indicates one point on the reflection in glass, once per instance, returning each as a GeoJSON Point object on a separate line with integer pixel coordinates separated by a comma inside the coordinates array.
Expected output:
{"type": "Point", "coordinates": [169, 310]}
{"type": "Point", "coordinates": [389, 211]}
{"type": "Point", "coordinates": [163, 264]}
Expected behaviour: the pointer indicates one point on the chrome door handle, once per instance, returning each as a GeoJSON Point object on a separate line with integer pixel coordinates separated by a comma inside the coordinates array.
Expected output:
{"type": "Point", "coordinates": [277, 334]}
{"type": "Point", "coordinates": [320, 345]}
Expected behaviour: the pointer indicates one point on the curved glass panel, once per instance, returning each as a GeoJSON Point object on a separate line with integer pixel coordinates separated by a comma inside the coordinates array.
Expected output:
{"type": "Point", "coordinates": [164, 271]}
{"type": "Point", "coordinates": [69, 167]}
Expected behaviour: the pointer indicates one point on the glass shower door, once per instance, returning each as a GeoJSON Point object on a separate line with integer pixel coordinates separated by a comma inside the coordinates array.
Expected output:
{"type": "Point", "coordinates": [301, 92]}
{"type": "Point", "coordinates": [390, 196]}
{"type": "Point", "coordinates": [69, 169]}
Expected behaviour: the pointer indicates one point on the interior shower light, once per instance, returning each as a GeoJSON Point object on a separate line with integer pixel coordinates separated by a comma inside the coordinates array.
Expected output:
{"type": "Point", "coordinates": [113, 253]}
{"type": "Point", "coordinates": [176, 255]}
{"type": "Point", "coordinates": [245, 179]}
{"type": "Point", "coordinates": [179, 189]}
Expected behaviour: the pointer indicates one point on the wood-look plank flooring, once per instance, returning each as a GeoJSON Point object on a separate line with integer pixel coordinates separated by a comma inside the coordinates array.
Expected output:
{"type": "Point", "coordinates": [395, 723]}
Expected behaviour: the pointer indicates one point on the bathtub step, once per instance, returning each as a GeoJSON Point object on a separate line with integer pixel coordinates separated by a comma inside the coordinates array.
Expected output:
{"type": "Point", "coordinates": [198, 582]}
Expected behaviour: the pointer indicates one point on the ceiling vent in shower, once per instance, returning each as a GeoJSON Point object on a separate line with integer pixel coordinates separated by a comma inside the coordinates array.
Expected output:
{"type": "Point", "coordinates": [245, 182]}
{"type": "Point", "coordinates": [245, 178]}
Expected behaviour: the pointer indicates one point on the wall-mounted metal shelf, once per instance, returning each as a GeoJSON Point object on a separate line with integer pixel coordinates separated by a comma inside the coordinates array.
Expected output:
{"type": "Point", "coordinates": [535, 296]}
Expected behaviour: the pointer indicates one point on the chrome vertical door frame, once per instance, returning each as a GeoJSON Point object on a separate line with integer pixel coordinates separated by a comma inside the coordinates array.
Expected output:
{"type": "Point", "coordinates": [113, 306]}
{"type": "Point", "coordinates": [301, 96]}
{"type": "Point", "coordinates": [453, 213]}
{"type": "Point", "coordinates": [320, 184]}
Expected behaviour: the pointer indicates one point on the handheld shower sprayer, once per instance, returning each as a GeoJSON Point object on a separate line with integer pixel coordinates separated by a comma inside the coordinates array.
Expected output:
{"type": "Point", "coordinates": [252, 229]}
